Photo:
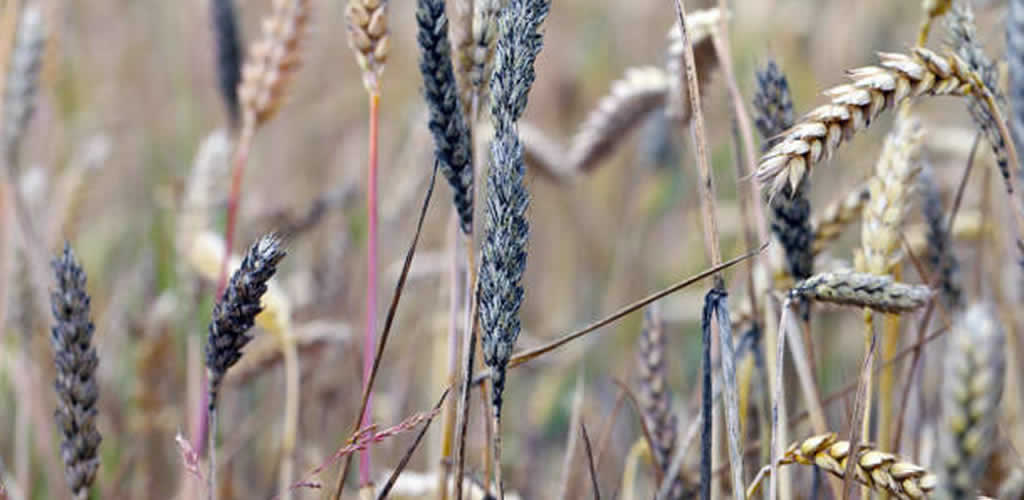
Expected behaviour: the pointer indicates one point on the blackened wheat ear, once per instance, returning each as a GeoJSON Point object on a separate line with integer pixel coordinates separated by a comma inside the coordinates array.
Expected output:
{"type": "Point", "coordinates": [76, 362]}
{"type": "Point", "coordinates": [229, 55]}
{"type": "Point", "coordinates": [452, 140]}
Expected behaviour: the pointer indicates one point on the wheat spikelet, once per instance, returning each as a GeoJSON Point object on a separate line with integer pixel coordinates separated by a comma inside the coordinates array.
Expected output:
{"type": "Point", "coordinates": [837, 216]}
{"type": "Point", "coordinates": [975, 369]}
{"type": "Point", "coordinates": [639, 92]}
{"type": "Point", "coordinates": [939, 253]}
{"type": "Point", "coordinates": [22, 81]}
{"type": "Point", "coordinates": [699, 27]}
{"type": "Point", "coordinates": [882, 226]}
{"type": "Point", "coordinates": [855, 105]}
{"type": "Point", "coordinates": [878, 470]}
{"type": "Point", "coordinates": [370, 38]}
{"type": "Point", "coordinates": [273, 60]}
{"type": "Point", "coordinates": [963, 36]}
{"type": "Point", "coordinates": [880, 293]}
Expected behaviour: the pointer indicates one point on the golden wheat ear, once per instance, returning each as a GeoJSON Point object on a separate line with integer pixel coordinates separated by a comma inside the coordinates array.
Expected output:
{"type": "Point", "coordinates": [273, 60]}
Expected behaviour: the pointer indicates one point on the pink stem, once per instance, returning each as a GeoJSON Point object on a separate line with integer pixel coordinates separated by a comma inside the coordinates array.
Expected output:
{"type": "Point", "coordinates": [370, 341]}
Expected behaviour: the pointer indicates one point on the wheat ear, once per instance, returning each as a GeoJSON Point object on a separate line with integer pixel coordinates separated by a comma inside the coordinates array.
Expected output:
{"type": "Point", "coordinates": [878, 293]}
{"type": "Point", "coordinates": [855, 105]}
{"type": "Point", "coordinates": [975, 370]}
{"type": "Point", "coordinates": [939, 254]}
{"type": "Point", "coordinates": [878, 470]}
{"type": "Point", "coordinates": [273, 60]}
{"type": "Point", "coordinates": [654, 395]}
{"type": "Point", "coordinates": [699, 27]}
{"type": "Point", "coordinates": [76, 362]}
{"type": "Point", "coordinates": [370, 38]}
{"type": "Point", "coordinates": [19, 101]}
{"type": "Point", "coordinates": [229, 55]}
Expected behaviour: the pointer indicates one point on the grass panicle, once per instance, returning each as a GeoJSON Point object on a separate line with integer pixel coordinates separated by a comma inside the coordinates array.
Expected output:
{"type": "Point", "coordinates": [76, 385]}
{"type": "Point", "coordinates": [370, 38]}
{"type": "Point", "coordinates": [964, 38]}
{"type": "Point", "coordinates": [273, 60]}
{"type": "Point", "coordinates": [975, 370]}
{"type": "Point", "coordinates": [941, 259]}
{"type": "Point", "coordinates": [452, 141]}
{"type": "Point", "coordinates": [26, 61]}
{"type": "Point", "coordinates": [880, 471]}
{"type": "Point", "coordinates": [791, 213]}
{"type": "Point", "coordinates": [227, 43]}
{"type": "Point", "coordinates": [878, 293]}
{"type": "Point", "coordinates": [855, 106]}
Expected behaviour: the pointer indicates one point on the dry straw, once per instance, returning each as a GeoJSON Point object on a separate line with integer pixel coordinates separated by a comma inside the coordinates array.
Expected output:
{"type": "Point", "coordinates": [880, 471]}
{"type": "Point", "coordinates": [975, 370]}
{"type": "Point", "coordinates": [878, 293]}
{"type": "Point", "coordinates": [452, 141]}
{"type": "Point", "coordinates": [76, 362]}
{"type": "Point", "coordinates": [854, 107]}
{"type": "Point", "coordinates": [370, 38]}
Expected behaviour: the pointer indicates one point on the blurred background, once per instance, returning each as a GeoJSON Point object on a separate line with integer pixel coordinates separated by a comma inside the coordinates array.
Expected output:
{"type": "Point", "coordinates": [129, 99]}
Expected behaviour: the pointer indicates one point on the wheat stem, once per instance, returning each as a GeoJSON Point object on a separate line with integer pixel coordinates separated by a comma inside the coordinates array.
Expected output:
{"type": "Point", "coordinates": [369, 339]}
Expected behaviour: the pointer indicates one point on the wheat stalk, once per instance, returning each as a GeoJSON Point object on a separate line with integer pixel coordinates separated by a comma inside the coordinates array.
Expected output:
{"type": "Point", "coordinates": [879, 293]}
{"type": "Point", "coordinates": [854, 106]}
{"type": "Point", "coordinates": [878, 470]}
{"type": "Point", "coordinates": [975, 370]}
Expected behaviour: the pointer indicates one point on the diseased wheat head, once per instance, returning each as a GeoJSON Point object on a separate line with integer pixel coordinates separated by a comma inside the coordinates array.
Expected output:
{"type": "Point", "coordinates": [879, 293]}
{"type": "Point", "coordinates": [854, 107]}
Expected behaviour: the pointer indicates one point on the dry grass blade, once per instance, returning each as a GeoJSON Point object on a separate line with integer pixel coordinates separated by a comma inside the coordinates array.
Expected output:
{"type": "Point", "coordinates": [388, 322]}
{"type": "Point", "coordinates": [273, 61]}
{"type": "Point", "coordinates": [878, 293]}
{"type": "Point", "coordinates": [386, 489]}
{"type": "Point", "coordinates": [854, 107]}
{"type": "Point", "coordinates": [975, 370]}
{"type": "Point", "coordinates": [881, 471]}
{"type": "Point", "coordinates": [524, 356]}
{"type": "Point", "coordinates": [699, 27]}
